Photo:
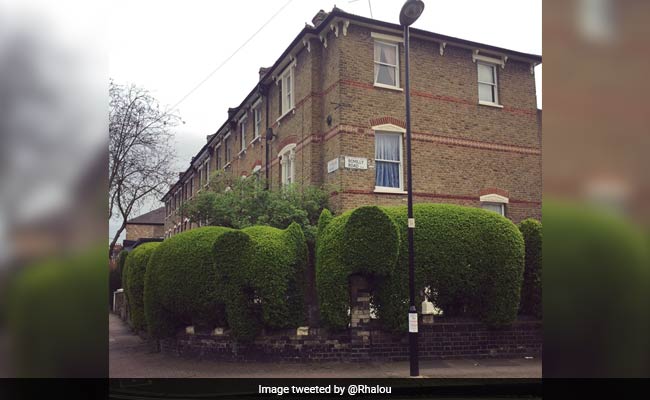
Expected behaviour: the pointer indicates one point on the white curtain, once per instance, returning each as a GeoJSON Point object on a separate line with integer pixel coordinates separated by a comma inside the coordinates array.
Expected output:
{"type": "Point", "coordinates": [385, 74]}
{"type": "Point", "coordinates": [387, 156]}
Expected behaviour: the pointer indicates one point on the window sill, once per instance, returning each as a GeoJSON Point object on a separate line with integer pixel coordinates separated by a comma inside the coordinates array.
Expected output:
{"type": "Point", "coordinates": [382, 86]}
{"type": "Point", "coordinates": [227, 165]}
{"type": "Point", "coordinates": [292, 110]}
{"type": "Point", "coordinates": [241, 153]}
{"type": "Point", "coordinates": [382, 190]}
{"type": "Point", "coordinates": [490, 104]}
{"type": "Point", "coordinates": [257, 139]}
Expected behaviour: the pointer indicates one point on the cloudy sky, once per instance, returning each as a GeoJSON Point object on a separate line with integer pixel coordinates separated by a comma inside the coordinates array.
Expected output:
{"type": "Point", "coordinates": [170, 46]}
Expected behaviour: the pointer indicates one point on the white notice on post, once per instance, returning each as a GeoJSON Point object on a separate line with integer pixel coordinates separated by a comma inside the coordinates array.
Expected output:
{"type": "Point", "coordinates": [413, 323]}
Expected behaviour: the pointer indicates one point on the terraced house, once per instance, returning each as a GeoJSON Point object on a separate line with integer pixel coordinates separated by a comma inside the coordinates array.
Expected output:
{"type": "Point", "coordinates": [331, 112]}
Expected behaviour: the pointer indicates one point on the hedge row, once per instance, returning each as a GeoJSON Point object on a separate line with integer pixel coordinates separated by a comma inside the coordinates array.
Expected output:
{"type": "Point", "coordinates": [471, 260]}
{"type": "Point", "coordinates": [531, 289]}
{"type": "Point", "coordinates": [182, 286]}
{"type": "Point", "coordinates": [213, 276]}
{"type": "Point", "coordinates": [133, 282]}
{"type": "Point", "coordinates": [263, 270]}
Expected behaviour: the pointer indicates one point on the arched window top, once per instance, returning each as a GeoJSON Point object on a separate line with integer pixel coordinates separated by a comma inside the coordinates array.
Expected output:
{"type": "Point", "coordinates": [286, 149]}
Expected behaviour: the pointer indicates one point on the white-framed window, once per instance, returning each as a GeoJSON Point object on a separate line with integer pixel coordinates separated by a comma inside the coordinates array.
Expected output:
{"type": "Point", "coordinates": [217, 154]}
{"type": "Point", "coordinates": [386, 64]}
{"type": "Point", "coordinates": [228, 149]}
{"type": "Point", "coordinates": [498, 208]}
{"type": "Point", "coordinates": [287, 164]}
{"type": "Point", "coordinates": [487, 83]}
{"type": "Point", "coordinates": [257, 121]}
{"type": "Point", "coordinates": [206, 172]}
{"type": "Point", "coordinates": [494, 202]}
{"type": "Point", "coordinates": [388, 161]}
{"type": "Point", "coordinates": [286, 86]}
{"type": "Point", "coordinates": [242, 133]}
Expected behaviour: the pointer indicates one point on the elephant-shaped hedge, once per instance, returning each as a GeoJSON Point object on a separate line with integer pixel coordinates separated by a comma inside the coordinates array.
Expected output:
{"type": "Point", "coordinates": [469, 260]}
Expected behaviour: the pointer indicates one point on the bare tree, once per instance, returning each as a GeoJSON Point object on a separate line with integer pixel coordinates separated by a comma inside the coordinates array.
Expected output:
{"type": "Point", "coordinates": [140, 151]}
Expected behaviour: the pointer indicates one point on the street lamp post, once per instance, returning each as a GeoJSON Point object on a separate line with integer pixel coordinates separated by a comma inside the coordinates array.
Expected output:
{"type": "Point", "coordinates": [411, 11]}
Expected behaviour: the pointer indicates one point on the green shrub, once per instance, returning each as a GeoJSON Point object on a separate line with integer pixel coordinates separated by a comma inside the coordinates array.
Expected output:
{"type": "Point", "coordinates": [182, 284]}
{"type": "Point", "coordinates": [263, 271]}
{"type": "Point", "coordinates": [135, 268]}
{"type": "Point", "coordinates": [471, 259]}
{"type": "Point", "coordinates": [531, 289]}
{"type": "Point", "coordinates": [56, 317]}
{"type": "Point", "coordinates": [364, 241]}
{"type": "Point", "coordinates": [597, 280]}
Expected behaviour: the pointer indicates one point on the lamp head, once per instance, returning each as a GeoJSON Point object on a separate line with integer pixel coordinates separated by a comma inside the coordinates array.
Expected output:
{"type": "Point", "coordinates": [411, 11]}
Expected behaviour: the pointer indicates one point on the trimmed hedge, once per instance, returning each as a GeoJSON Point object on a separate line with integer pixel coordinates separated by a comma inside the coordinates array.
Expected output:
{"type": "Point", "coordinates": [531, 289]}
{"type": "Point", "coordinates": [471, 259]}
{"type": "Point", "coordinates": [262, 270]}
{"type": "Point", "coordinates": [134, 272]}
{"type": "Point", "coordinates": [364, 241]}
{"type": "Point", "coordinates": [182, 285]}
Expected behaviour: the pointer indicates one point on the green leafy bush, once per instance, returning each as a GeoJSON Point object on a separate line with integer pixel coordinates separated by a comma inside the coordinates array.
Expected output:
{"type": "Point", "coordinates": [471, 260]}
{"type": "Point", "coordinates": [364, 241]}
{"type": "Point", "coordinates": [182, 285]}
{"type": "Point", "coordinates": [135, 268]}
{"type": "Point", "coordinates": [531, 289]}
{"type": "Point", "coordinates": [597, 276]}
{"type": "Point", "coordinates": [263, 270]}
{"type": "Point", "coordinates": [56, 317]}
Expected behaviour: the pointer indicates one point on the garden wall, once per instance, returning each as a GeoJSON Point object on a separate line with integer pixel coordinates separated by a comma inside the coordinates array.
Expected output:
{"type": "Point", "coordinates": [439, 339]}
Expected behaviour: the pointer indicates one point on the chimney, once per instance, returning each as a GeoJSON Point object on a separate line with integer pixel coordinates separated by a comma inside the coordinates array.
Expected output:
{"type": "Point", "coordinates": [319, 17]}
{"type": "Point", "coordinates": [263, 72]}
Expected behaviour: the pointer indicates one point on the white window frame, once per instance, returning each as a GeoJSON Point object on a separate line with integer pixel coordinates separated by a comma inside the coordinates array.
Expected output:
{"type": "Point", "coordinates": [495, 84]}
{"type": "Point", "coordinates": [288, 169]}
{"type": "Point", "coordinates": [391, 130]}
{"type": "Point", "coordinates": [495, 200]}
{"type": "Point", "coordinates": [257, 121]}
{"type": "Point", "coordinates": [396, 66]}
{"type": "Point", "coordinates": [242, 133]}
{"type": "Point", "coordinates": [287, 90]}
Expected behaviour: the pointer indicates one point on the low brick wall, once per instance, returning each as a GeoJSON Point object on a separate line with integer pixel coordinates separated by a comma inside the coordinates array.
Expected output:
{"type": "Point", "coordinates": [438, 340]}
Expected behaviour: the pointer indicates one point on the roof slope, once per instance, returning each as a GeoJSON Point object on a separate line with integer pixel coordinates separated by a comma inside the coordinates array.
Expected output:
{"type": "Point", "coordinates": [155, 217]}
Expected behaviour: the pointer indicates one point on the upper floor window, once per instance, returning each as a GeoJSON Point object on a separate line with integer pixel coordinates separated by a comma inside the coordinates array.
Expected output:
{"type": "Point", "coordinates": [388, 161]}
{"type": "Point", "coordinates": [386, 64]}
{"type": "Point", "coordinates": [206, 172]}
{"type": "Point", "coordinates": [242, 133]}
{"type": "Point", "coordinates": [228, 150]}
{"type": "Point", "coordinates": [217, 153]}
{"type": "Point", "coordinates": [487, 83]}
{"type": "Point", "coordinates": [285, 86]}
{"type": "Point", "coordinates": [257, 121]}
{"type": "Point", "coordinates": [287, 163]}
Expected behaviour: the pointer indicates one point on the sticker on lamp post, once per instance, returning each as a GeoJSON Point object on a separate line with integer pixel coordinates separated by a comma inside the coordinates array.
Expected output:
{"type": "Point", "coordinates": [413, 322]}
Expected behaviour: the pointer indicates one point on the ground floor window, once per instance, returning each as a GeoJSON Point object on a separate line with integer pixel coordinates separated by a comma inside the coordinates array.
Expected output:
{"type": "Point", "coordinates": [287, 163]}
{"type": "Point", "coordinates": [388, 160]}
{"type": "Point", "coordinates": [496, 207]}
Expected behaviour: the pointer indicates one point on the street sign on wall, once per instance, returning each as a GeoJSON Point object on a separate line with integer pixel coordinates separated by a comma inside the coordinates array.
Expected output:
{"type": "Point", "coordinates": [356, 163]}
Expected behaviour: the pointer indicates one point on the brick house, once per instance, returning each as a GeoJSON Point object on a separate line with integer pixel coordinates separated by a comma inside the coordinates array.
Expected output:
{"type": "Point", "coordinates": [146, 226]}
{"type": "Point", "coordinates": [330, 112]}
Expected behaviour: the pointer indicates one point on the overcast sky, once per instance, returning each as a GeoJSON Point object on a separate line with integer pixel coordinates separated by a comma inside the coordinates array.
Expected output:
{"type": "Point", "coordinates": [169, 46]}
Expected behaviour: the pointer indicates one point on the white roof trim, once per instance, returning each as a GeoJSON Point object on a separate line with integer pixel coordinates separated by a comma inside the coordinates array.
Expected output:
{"type": "Point", "coordinates": [389, 128]}
{"type": "Point", "coordinates": [493, 198]}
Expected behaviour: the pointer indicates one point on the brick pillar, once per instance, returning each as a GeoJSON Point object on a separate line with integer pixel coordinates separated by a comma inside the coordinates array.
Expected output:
{"type": "Point", "coordinates": [359, 319]}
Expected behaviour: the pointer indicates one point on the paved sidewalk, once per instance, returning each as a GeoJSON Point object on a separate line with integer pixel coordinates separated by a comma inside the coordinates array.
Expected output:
{"type": "Point", "coordinates": [131, 357]}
